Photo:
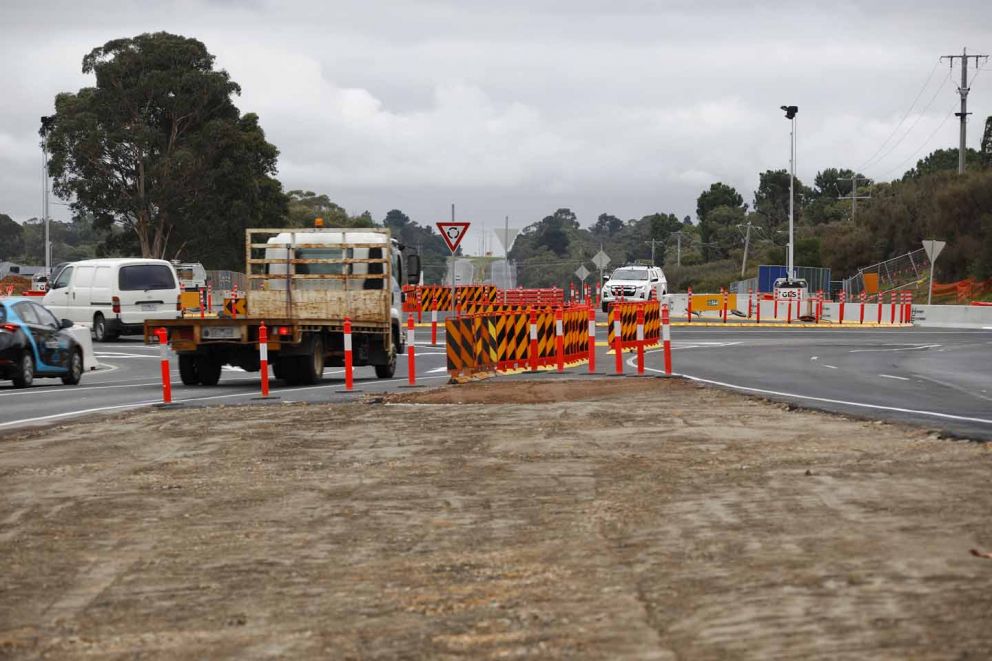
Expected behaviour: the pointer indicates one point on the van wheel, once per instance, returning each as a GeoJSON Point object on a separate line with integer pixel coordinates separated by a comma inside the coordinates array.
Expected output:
{"type": "Point", "coordinates": [100, 331]}
{"type": "Point", "coordinates": [187, 370]}
{"type": "Point", "coordinates": [75, 369]}
{"type": "Point", "coordinates": [25, 372]}
{"type": "Point", "coordinates": [208, 369]}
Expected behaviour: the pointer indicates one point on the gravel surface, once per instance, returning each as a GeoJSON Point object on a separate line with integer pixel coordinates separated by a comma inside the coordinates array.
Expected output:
{"type": "Point", "coordinates": [606, 518]}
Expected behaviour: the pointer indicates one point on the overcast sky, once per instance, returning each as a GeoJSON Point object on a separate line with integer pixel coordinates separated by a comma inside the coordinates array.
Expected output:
{"type": "Point", "coordinates": [519, 107]}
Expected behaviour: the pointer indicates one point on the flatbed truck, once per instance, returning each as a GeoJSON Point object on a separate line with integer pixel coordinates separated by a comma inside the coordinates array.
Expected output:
{"type": "Point", "coordinates": [303, 284]}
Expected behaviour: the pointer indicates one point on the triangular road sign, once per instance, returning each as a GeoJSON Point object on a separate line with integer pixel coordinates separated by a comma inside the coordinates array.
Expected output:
{"type": "Point", "coordinates": [452, 233]}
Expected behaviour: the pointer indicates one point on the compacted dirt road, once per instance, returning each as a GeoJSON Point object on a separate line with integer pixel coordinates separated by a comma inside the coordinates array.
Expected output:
{"type": "Point", "coordinates": [633, 518]}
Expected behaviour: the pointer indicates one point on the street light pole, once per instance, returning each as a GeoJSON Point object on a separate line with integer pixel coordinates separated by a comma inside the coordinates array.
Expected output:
{"type": "Point", "coordinates": [790, 114]}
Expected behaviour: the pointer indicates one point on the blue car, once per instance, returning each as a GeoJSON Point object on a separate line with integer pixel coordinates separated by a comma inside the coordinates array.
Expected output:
{"type": "Point", "coordinates": [34, 344]}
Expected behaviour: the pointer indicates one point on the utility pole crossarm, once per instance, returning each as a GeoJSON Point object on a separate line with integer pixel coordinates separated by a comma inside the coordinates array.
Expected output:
{"type": "Point", "coordinates": [963, 90]}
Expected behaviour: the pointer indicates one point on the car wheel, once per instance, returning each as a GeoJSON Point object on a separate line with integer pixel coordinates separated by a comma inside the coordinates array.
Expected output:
{"type": "Point", "coordinates": [75, 369]}
{"type": "Point", "coordinates": [208, 370]}
{"type": "Point", "coordinates": [25, 373]}
{"type": "Point", "coordinates": [187, 370]}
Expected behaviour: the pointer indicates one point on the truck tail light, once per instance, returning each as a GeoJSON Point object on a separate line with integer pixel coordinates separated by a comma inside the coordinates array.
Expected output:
{"type": "Point", "coordinates": [117, 304]}
{"type": "Point", "coordinates": [284, 330]}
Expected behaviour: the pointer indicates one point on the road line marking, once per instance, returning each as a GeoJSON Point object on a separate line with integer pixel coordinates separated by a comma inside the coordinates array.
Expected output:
{"type": "Point", "coordinates": [439, 369]}
{"type": "Point", "coordinates": [913, 347]}
{"type": "Point", "coordinates": [889, 376]}
{"type": "Point", "coordinates": [56, 416]}
{"type": "Point", "coordinates": [880, 407]}
{"type": "Point", "coordinates": [832, 367]}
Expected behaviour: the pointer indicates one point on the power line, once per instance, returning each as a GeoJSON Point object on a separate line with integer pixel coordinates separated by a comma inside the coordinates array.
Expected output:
{"type": "Point", "coordinates": [921, 147]}
{"type": "Point", "coordinates": [913, 125]}
{"type": "Point", "coordinates": [911, 106]}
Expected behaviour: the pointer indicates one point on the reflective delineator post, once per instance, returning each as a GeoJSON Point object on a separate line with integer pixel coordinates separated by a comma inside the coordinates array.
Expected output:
{"type": "Point", "coordinates": [618, 340]}
{"type": "Point", "coordinates": [788, 318]}
{"type": "Point", "coordinates": [757, 304]}
{"type": "Point", "coordinates": [726, 302]}
{"type": "Point", "coordinates": [210, 298]}
{"type": "Point", "coordinates": [666, 338]}
{"type": "Point", "coordinates": [750, 295]}
{"type": "Point", "coordinates": [349, 377]}
{"type": "Point", "coordinates": [775, 310]}
{"type": "Point", "coordinates": [203, 304]}
{"type": "Point", "coordinates": [879, 297]}
{"type": "Point", "coordinates": [411, 351]}
{"type": "Point", "coordinates": [433, 327]}
{"type": "Point", "coordinates": [533, 340]}
{"type": "Point", "coordinates": [234, 295]}
{"type": "Point", "coordinates": [163, 340]}
{"type": "Point", "coordinates": [892, 301]}
{"type": "Point", "coordinates": [592, 339]}
{"type": "Point", "coordinates": [843, 300]}
{"type": "Point", "coordinates": [560, 339]}
{"type": "Point", "coordinates": [263, 357]}
{"type": "Point", "coordinates": [688, 309]}
{"type": "Point", "coordinates": [640, 339]}
{"type": "Point", "coordinates": [862, 313]}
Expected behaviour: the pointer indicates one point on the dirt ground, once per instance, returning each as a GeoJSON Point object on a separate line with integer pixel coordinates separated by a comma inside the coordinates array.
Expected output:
{"type": "Point", "coordinates": [618, 518]}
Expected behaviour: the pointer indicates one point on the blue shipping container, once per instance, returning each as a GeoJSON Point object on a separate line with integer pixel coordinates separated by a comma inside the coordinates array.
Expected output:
{"type": "Point", "coordinates": [767, 275]}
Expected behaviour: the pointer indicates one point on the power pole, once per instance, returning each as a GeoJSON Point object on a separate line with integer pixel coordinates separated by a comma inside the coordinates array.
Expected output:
{"type": "Point", "coordinates": [747, 241]}
{"type": "Point", "coordinates": [853, 197]}
{"type": "Point", "coordinates": [963, 90]}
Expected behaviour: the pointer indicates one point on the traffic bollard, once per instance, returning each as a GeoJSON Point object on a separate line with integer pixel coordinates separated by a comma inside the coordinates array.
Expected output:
{"type": "Point", "coordinates": [788, 317]}
{"type": "Point", "coordinates": [263, 357]}
{"type": "Point", "coordinates": [775, 311]}
{"type": "Point", "coordinates": [750, 294]}
{"type": "Point", "coordinates": [757, 303]}
{"type": "Point", "coordinates": [862, 312]}
{"type": "Point", "coordinates": [349, 377]}
{"type": "Point", "coordinates": [726, 302]}
{"type": "Point", "coordinates": [688, 309]}
{"type": "Point", "coordinates": [433, 327]}
{"type": "Point", "coordinates": [892, 301]}
{"type": "Point", "coordinates": [843, 300]}
{"type": "Point", "coordinates": [412, 367]}
{"type": "Point", "coordinates": [210, 298]}
{"type": "Point", "coordinates": [666, 337]}
{"type": "Point", "coordinates": [163, 340]}
{"type": "Point", "coordinates": [203, 304]}
{"type": "Point", "coordinates": [592, 339]}
{"type": "Point", "coordinates": [640, 339]}
{"type": "Point", "coordinates": [533, 340]}
{"type": "Point", "coordinates": [878, 296]}
{"type": "Point", "coordinates": [618, 341]}
{"type": "Point", "coordinates": [560, 340]}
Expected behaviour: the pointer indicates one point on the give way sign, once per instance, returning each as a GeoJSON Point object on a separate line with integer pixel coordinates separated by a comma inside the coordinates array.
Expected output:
{"type": "Point", "coordinates": [452, 233]}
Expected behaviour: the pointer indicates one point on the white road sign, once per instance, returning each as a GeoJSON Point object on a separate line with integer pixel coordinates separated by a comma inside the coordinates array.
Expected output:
{"type": "Point", "coordinates": [582, 273]}
{"type": "Point", "coordinates": [452, 233]}
{"type": "Point", "coordinates": [933, 248]}
{"type": "Point", "coordinates": [506, 236]}
{"type": "Point", "coordinates": [601, 260]}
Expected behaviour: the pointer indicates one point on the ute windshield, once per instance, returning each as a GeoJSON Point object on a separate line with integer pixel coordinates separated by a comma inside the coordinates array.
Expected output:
{"type": "Point", "coordinates": [630, 274]}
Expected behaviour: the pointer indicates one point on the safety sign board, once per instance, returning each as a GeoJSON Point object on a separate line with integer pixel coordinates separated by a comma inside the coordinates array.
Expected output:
{"type": "Point", "coordinates": [236, 307]}
{"type": "Point", "coordinates": [452, 233]}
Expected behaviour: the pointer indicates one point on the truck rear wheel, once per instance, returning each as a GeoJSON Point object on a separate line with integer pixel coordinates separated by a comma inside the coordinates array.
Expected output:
{"type": "Point", "coordinates": [389, 369]}
{"type": "Point", "coordinates": [308, 369]}
{"type": "Point", "coordinates": [187, 370]}
{"type": "Point", "coordinates": [208, 369]}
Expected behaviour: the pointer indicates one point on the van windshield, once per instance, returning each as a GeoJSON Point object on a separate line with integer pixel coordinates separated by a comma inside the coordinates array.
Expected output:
{"type": "Point", "coordinates": [146, 276]}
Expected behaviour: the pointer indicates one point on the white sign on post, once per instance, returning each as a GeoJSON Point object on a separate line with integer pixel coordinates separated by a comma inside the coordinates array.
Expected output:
{"type": "Point", "coordinates": [601, 259]}
{"type": "Point", "coordinates": [452, 233]}
{"type": "Point", "coordinates": [582, 273]}
{"type": "Point", "coordinates": [932, 248]}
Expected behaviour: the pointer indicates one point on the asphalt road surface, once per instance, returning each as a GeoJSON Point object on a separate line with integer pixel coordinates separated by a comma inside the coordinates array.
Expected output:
{"type": "Point", "coordinates": [936, 378]}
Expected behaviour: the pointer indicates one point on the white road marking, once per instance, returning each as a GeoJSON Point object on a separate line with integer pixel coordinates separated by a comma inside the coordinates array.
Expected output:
{"type": "Point", "coordinates": [813, 357]}
{"type": "Point", "coordinates": [439, 369]}
{"type": "Point", "coordinates": [890, 376]}
{"type": "Point", "coordinates": [880, 407]}
{"type": "Point", "coordinates": [832, 367]}
{"type": "Point", "coordinates": [913, 347]}
{"type": "Point", "coordinates": [56, 416]}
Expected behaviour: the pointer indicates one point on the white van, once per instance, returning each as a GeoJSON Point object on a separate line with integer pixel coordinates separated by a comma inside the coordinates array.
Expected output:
{"type": "Point", "coordinates": [114, 296]}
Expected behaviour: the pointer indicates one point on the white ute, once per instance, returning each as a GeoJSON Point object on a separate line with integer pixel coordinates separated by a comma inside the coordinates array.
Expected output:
{"type": "Point", "coordinates": [634, 283]}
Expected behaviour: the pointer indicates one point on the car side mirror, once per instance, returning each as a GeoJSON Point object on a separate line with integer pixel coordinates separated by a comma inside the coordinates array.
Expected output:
{"type": "Point", "coordinates": [67, 323]}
